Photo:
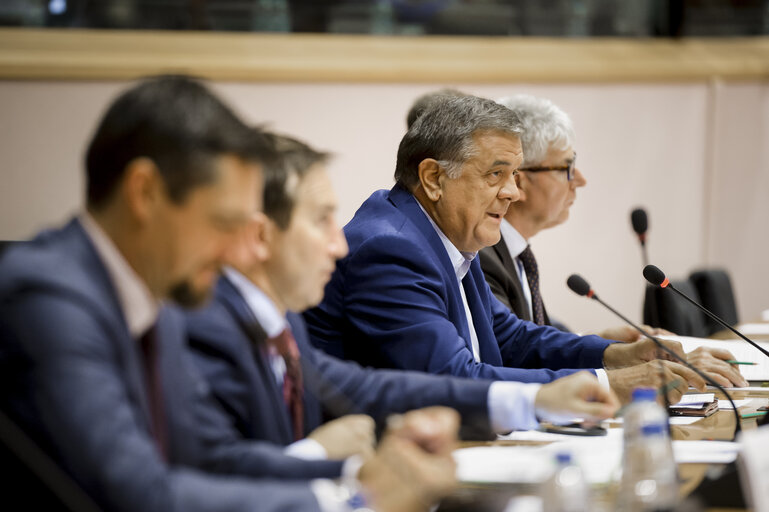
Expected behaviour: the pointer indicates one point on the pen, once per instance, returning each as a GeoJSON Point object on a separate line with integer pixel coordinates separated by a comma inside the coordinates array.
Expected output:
{"type": "Point", "coordinates": [732, 361]}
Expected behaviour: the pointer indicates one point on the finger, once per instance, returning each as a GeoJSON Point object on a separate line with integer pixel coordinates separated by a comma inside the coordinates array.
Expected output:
{"type": "Point", "coordinates": [594, 410]}
{"type": "Point", "coordinates": [729, 373]}
{"type": "Point", "coordinates": [688, 375]}
{"type": "Point", "coordinates": [719, 353]}
{"type": "Point", "coordinates": [675, 347]}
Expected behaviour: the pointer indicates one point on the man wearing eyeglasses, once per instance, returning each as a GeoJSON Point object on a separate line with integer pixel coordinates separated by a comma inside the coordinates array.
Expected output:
{"type": "Point", "coordinates": [547, 183]}
{"type": "Point", "coordinates": [411, 294]}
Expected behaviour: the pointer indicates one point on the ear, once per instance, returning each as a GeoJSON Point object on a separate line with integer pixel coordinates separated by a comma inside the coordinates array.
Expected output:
{"type": "Point", "coordinates": [250, 248]}
{"type": "Point", "coordinates": [430, 176]}
{"type": "Point", "coordinates": [142, 188]}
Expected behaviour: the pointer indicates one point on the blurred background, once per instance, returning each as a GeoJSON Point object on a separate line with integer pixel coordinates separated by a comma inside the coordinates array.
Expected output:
{"type": "Point", "coordinates": [670, 100]}
{"type": "Point", "coordinates": [552, 18]}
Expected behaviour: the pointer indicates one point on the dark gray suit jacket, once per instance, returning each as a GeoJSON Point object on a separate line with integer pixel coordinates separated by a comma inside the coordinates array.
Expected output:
{"type": "Point", "coordinates": [71, 376]}
{"type": "Point", "coordinates": [500, 272]}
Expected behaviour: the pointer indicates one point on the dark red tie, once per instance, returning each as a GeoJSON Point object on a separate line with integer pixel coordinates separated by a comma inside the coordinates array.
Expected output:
{"type": "Point", "coordinates": [532, 276]}
{"type": "Point", "coordinates": [293, 387]}
{"type": "Point", "coordinates": [154, 388]}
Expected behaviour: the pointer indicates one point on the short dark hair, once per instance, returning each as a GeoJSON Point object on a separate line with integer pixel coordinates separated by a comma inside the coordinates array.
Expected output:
{"type": "Point", "coordinates": [445, 132]}
{"type": "Point", "coordinates": [282, 175]}
{"type": "Point", "coordinates": [177, 123]}
{"type": "Point", "coordinates": [424, 102]}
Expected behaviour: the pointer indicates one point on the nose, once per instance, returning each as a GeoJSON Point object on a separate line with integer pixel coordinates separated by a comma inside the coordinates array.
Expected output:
{"type": "Point", "coordinates": [579, 179]}
{"type": "Point", "coordinates": [338, 246]}
{"type": "Point", "coordinates": [509, 188]}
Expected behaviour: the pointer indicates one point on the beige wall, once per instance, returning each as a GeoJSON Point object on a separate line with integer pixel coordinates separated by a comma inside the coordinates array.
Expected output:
{"type": "Point", "coordinates": [639, 144]}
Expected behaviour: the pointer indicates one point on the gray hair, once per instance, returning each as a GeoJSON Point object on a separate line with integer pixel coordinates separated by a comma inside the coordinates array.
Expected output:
{"type": "Point", "coordinates": [544, 126]}
{"type": "Point", "coordinates": [445, 133]}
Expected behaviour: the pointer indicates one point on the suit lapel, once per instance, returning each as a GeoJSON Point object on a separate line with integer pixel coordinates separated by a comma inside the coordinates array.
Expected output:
{"type": "Point", "coordinates": [474, 285]}
{"type": "Point", "coordinates": [107, 302]}
{"type": "Point", "coordinates": [250, 327]}
{"type": "Point", "coordinates": [502, 251]}
{"type": "Point", "coordinates": [408, 205]}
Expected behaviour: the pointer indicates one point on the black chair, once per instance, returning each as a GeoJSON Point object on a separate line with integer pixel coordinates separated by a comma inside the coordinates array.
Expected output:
{"type": "Point", "coordinates": [663, 308]}
{"type": "Point", "coordinates": [715, 291]}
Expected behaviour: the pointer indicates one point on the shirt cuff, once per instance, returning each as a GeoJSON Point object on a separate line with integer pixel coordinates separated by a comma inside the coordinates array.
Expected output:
{"type": "Point", "coordinates": [511, 406]}
{"type": "Point", "coordinates": [331, 496]}
{"type": "Point", "coordinates": [603, 378]}
{"type": "Point", "coordinates": [307, 449]}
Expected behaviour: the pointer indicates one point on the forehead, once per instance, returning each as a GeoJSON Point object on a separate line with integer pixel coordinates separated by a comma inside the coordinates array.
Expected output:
{"type": "Point", "coordinates": [494, 145]}
{"type": "Point", "coordinates": [557, 156]}
{"type": "Point", "coordinates": [237, 184]}
{"type": "Point", "coordinates": [315, 188]}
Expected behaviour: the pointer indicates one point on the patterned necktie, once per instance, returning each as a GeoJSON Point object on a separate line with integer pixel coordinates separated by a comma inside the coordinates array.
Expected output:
{"type": "Point", "coordinates": [154, 388]}
{"type": "Point", "coordinates": [293, 388]}
{"type": "Point", "coordinates": [532, 276]}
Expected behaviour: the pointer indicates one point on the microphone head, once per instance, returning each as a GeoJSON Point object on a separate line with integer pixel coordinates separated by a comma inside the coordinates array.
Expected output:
{"type": "Point", "coordinates": [578, 285]}
{"type": "Point", "coordinates": [639, 220]}
{"type": "Point", "coordinates": [655, 276]}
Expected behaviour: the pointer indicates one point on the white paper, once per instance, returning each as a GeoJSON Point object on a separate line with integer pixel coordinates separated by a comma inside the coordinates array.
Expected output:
{"type": "Point", "coordinates": [753, 329]}
{"type": "Point", "coordinates": [695, 400]}
{"type": "Point", "coordinates": [708, 452]}
{"type": "Point", "coordinates": [724, 404]}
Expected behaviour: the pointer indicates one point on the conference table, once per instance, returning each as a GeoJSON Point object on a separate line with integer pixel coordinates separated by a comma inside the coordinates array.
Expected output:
{"type": "Point", "coordinates": [482, 496]}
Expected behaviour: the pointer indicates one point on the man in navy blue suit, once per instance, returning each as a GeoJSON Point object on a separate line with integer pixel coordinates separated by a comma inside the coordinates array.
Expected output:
{"type": "Point", "coordinates": [95, 369]}
{"type": "Point", "coordinates": [411, 293]}
{"type": "Point", "coordinates": [287, 257]}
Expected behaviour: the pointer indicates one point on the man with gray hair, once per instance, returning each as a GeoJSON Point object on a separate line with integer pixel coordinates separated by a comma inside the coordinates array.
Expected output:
{"type": "Point", "coordinates": [410, 294]}
{"type": "Point", "coordinates": [548, 184]}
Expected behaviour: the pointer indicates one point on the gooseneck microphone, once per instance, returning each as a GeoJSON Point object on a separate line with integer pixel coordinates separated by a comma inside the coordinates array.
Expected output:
{"type": "Point", "coordinates": [657, 277]}
{"type": "Point", "coordinates": [578, 285]}
{"type": "Point", "coordinates": [640, 223]}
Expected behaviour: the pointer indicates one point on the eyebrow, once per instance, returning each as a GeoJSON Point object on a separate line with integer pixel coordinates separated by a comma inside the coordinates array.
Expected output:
{"type": "Point", "coordinates": [500, 162]}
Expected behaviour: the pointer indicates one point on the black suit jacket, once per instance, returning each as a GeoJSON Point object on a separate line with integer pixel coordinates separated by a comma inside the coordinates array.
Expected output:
{"type": "Point", "coordinates": [500, 272]}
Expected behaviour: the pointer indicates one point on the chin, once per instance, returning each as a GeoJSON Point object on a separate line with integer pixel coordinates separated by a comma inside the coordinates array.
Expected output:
{"type": "Point", "coordinates": [185, 295]}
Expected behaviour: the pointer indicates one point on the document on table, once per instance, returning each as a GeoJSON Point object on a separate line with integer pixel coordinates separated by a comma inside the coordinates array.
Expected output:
{"type": "Point", "coordinates": [599, 457]}
{"type": "Point", "coordinates": [741, 351]}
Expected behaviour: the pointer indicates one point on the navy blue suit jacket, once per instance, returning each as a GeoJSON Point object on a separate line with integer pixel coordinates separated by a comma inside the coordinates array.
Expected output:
{"type": "Point", "coordinates": [394, 302]}
{"type": "Point", "coordinates": [71, 376]}
{"type": "Point", "coordinates": [228, 344]}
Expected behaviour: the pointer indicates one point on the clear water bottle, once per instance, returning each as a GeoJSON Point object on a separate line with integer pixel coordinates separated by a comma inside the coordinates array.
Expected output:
{"type": "Point", "coordinates": [565, 490]}
{"type": "Point", "coordinates": [649, 475]}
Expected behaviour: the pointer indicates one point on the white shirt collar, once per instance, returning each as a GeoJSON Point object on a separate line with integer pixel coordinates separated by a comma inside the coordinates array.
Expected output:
{"type": "Point", "coordinates": [265, 311]}
{"type": "Point", "coordinates": [514, 241]}
{"type": "Point", "coordinates": [139, 307]}
{"type": "Point", "coordinates": [459, 260]}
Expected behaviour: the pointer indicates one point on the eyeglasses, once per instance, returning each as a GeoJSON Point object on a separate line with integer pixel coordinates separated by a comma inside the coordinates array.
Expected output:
{"type": "Point", "coordinates": [568, 168]}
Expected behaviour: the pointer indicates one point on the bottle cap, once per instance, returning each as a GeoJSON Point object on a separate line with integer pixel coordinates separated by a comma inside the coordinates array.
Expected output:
{"type": "Point", "coordinates": [644, 395]}
{"type": "Point", "coordinates": [563, 457]}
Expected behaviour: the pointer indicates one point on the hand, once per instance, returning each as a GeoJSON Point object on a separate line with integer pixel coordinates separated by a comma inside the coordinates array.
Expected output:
{"type": "Point", "coordinates": [678, 378]}
{"type": "Point", "coordinates": [628, 334]}
{"type": "Point", "coordinates": [712, 362]}
{"type": "Point", "coordinates": [578, 395]}
{"type": "Point", "coordinates": [620, 355]}
{"type": "Point", "coordinates": [413, 467]}
{"type": "Point", "coordinates": [346, 436]}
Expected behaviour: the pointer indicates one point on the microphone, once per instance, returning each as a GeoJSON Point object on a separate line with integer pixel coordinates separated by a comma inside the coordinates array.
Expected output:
{"type": "Point", "coordinates": [640, 223]}
{"type": "Point", "coordinates": [657, 277]}
{"type": "Point", "coordinates": [578, 285]}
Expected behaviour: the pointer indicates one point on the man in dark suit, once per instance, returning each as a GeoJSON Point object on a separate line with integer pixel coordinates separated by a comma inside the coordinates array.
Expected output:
{"type": "Point", "coordinates": [548, 183]}
{"type": "Point", "coordinates": [293, 248]}
{"type": "Point", "coordinates": [95, 368]}
{"type": "Point", "coordinates": [411, 295]}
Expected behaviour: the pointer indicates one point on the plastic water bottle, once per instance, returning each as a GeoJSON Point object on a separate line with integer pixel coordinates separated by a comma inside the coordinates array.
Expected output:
{"type": "Point", "coordinates": [649, 476]}
{"type": "Point", "coordinates": [565, 490]}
